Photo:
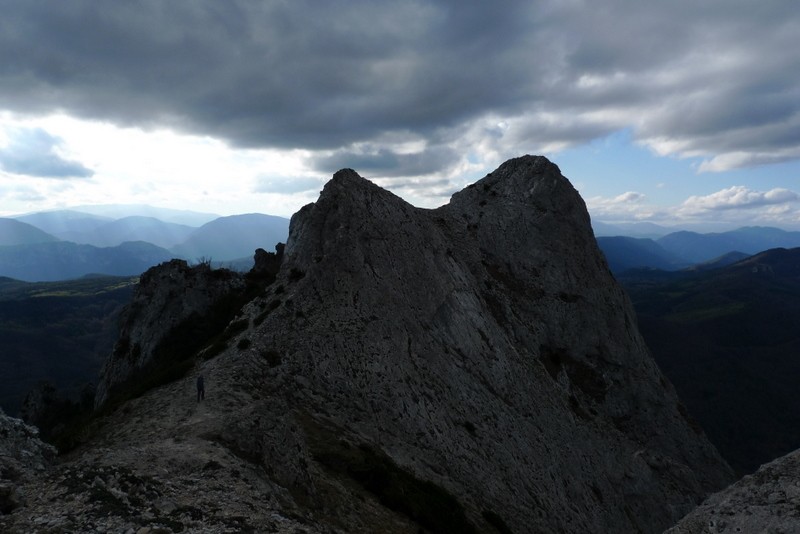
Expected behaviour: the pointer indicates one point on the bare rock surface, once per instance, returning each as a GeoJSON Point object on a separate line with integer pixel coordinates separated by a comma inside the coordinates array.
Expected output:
{"type": "Point", "coordinates": [22, 456]}
{"type": "Point", "coordinates": [166, 296]}
{"type": "Point", "coordinates": [766, 501]}
{"type": "Point", "coordinates": [473, 368]}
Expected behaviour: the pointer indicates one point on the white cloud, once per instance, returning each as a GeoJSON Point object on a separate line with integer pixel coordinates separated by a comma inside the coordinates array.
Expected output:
{"type": "Point", "coordinates": [161, 168]}
{"type": "Point", "coordinates": [629, 196]}
{"type": "Point", "coordinates": [630, 205]}
{"type": "Point", "coordinates": [282, 184]}
{"type": "Point", "coordinates": [738, 198]}
{"type": "Point", "coordinates": [36, 152]}
{"type": "Point", "coordinates": [734, 206]}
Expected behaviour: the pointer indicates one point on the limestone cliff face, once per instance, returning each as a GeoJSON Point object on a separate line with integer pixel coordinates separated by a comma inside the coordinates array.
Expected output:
{"type": "Point", "coordinates": [167, 295]}
{"type": "Point", "coordinates": [473, 368]}
{"type": "Point", "coordinates": [485, 346]}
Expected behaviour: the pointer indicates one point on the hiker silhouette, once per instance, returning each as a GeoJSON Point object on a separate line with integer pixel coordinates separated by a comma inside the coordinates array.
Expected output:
{"type": "Point", "coordinates": [201, 388]}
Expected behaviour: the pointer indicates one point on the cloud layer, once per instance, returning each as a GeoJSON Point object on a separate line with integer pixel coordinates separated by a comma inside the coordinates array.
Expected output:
{"type": "Point", "coordinates": [413, 88]}
{"type": "Point", "coordinates": [732, 206]}
{"type": "Point", "coordinates": [738, 198]}
{"type": "Point", "coordinates": [34, 152]}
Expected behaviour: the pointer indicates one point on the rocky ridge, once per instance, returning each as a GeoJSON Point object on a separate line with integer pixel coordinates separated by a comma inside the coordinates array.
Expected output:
{"type": "Point", "coordinates": [470, 368]}
{"type": "Point", "coordinates": [766, 501]}
{"type": "Point", "coordinates": [167, 296]}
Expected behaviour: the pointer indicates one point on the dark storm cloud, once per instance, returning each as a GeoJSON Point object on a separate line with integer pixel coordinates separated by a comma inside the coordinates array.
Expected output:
{"type": "Point", "coordinates": [713, 78]}
{"type": "Point", "coordinates": [34, 152]}
{"type": "Point", "coordinates": [385, 162]}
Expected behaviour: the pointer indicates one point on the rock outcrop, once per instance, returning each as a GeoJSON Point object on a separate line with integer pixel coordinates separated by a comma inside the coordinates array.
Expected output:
{"type": "Point", "coordinates": [483, 346]}
{"type": "Point", "coordinates": [473, 368]}
{"type": "Point", "coordinates": [766, 501]}
{"type": "Point", "coordinates": [22, 456]}
{"type": "Point", "coordinates": [168, 296]}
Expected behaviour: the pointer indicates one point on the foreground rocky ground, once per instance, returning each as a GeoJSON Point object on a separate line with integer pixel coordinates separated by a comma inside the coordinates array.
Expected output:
{"type": "Point", "coordinates": [766, 501]}
{"type": "Point", "coordinates": [157, 463]}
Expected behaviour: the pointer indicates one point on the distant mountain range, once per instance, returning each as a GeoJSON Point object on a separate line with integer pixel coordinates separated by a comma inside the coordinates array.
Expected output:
{"type": "Point", "coordinates": [728, 339]}
{"type": "Point", "coordinates": [234, 237]}
{"type": "Point", "coordinates": [64, 244]}
{"type": "Point", "coordinates": [232, 240]}
{"type": "Point", "coordinates": [62, 260]}
{"type": "Point", "coordinates": [683, 249]}
{"type": "Point", "coordinates": [18, 233]}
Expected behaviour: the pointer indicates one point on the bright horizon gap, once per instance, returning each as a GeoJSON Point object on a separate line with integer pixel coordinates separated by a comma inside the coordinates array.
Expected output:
{"type": "Point", "coordinates": [606, 171]}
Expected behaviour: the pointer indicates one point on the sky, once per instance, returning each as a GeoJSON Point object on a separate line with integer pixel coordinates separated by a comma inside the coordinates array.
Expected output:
{"type": "Point", "coordinates": [677, 113]}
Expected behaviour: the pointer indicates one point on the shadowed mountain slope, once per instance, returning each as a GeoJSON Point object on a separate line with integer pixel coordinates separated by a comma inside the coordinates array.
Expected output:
{"type": "Point", "coordinates": [61, 260]}
{"type": "Point", "coordinates": [729, 339]}
{"type": "Point", "coordinates": [58, 332]}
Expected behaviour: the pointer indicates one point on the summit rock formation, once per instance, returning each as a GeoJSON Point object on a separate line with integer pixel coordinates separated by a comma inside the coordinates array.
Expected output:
{"type": "Point", "coordinates": [472, 368]}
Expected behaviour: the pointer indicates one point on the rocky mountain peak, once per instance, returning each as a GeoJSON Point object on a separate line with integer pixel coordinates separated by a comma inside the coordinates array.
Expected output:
{"type": "Point", "coordinates": [498, 304]}
{"type": "Point", "coordinates": [347, 177]}
{"type": "Point", "coordinates": [472, 368]}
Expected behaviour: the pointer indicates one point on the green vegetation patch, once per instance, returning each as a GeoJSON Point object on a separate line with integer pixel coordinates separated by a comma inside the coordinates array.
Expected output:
{"type": "Point", "coordinates": [83, 287]}
{"type": "Point", "coordinates": [706, 313]}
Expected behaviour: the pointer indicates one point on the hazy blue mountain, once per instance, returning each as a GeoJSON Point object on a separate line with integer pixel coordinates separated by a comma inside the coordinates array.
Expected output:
{"type": "Point", "coordinates": [240, 265]}
{"type": "Point", "coordinates": [698, 248]}
{"type": "Point", "coordinates": [64, 260]}
{"type": "Point", "coordinates": [623, 253]}
{"type": "Point", "coordinates": [234, 237]}
{"type": "Point", "coordinates": [118, 211]}
{"type": "Point", "coordinates": [636, 229]}
{"type": "Point", "coordinates": [728, 339]}
{"type": "Point", "coordinates": [101, 231]}
{"type": "Point", "coordinates": [67, 225]}
{"type": "Point", "coordinates": [765, 237]}
{"type": "Point", "coordinates": [139, 228]}
{"type": "Point", "coordinates": [601, 228]}
{"type": "Point", "coordinates": [221, 239]}
{"type": "Point", "coordinates": [13, 232]}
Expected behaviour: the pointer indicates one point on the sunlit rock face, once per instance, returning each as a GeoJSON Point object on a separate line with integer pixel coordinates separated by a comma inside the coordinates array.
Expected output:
{"type": "Point", "coordinates": [469, 368]}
